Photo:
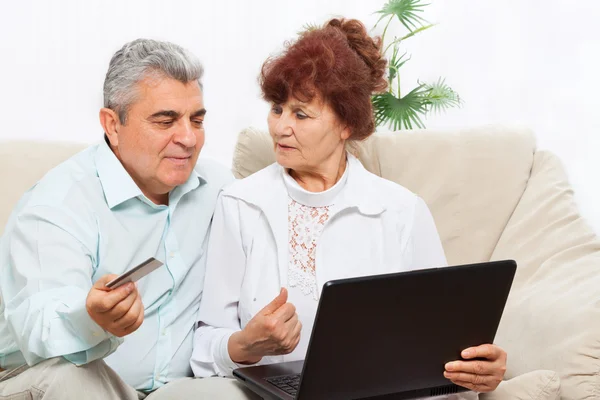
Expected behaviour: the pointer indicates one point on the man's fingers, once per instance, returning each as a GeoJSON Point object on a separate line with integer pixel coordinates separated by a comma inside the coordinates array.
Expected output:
{"type": "Point", "coordinates": [104, 279]}
{"type": "Point", "coordinates": [107, 300]}
{"type": "Point", "coordinates": [137, 324]}
{"type": "Point", "coordinates": [131, 316]}
{"type": "Point", "coordinates": [122, 307]}
{"type": "Point", "coordinates": [487, 351]}
{"type": "Point", "coordinates": [277, 302]}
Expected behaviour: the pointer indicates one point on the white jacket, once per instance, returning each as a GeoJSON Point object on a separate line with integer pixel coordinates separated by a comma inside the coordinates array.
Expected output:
{"type": "Point", "coordinates": [378, 227]}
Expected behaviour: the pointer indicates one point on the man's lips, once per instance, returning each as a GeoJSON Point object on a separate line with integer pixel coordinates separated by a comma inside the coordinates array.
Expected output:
{"type": "Point", "coordinates": [179, 160]}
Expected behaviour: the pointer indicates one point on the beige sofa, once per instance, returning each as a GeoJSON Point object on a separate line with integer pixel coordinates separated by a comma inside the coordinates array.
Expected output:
{"type": "Point", "coordinates": [493, 196]}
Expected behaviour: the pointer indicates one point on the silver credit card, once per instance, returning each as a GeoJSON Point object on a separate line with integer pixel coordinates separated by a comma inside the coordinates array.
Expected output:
{"type": "Point", "coordinates": [136, 273]}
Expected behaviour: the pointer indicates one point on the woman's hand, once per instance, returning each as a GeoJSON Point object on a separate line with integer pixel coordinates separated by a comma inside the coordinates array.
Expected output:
{"type": "Point", "coordinates": [275, 330]}
{"type": "Point", "coordinates": [482, 370]}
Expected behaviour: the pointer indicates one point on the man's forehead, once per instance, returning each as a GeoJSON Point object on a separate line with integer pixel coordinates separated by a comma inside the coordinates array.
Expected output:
{"type": "Point", "coordinates": [170, 94]}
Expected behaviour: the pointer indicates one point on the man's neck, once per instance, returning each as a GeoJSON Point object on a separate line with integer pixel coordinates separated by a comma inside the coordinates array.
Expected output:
{"type": "Point", "coordinates": [161, 198]}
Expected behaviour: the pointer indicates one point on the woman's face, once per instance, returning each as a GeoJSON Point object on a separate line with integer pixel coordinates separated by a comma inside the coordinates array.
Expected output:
{"type": "Point", "coordinates": [306, 135]}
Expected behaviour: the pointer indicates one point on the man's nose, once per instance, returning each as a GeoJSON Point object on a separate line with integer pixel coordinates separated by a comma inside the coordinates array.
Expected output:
{"type": "Point", "coordinates": [186, 135]}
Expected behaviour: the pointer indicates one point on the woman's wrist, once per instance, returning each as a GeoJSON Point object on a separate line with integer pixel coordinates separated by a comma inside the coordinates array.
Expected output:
{"type": "Point", "coordinates": [237, 347]}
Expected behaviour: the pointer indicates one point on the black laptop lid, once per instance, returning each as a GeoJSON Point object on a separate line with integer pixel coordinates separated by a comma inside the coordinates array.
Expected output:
{"type": "Point", "coordinates": [394, 333]}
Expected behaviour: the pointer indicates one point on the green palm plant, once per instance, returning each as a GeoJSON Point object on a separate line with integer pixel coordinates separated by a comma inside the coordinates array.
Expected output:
{"type": "Point", "coordinates": [392, 108]}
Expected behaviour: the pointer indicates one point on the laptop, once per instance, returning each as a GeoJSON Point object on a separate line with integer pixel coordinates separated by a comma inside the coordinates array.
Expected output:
{"type": "Point", "coordinates": [389, 336]}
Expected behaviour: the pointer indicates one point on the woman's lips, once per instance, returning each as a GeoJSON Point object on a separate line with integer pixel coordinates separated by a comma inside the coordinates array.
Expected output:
{"type": "Point", "coordinates": [284, 147]}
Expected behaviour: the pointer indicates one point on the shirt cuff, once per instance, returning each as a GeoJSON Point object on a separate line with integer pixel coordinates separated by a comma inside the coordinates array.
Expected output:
{"type": "Point", "coordinates": [81, 323]}
{"type": "Point", "coordinates": [97, 352]}
{"type": "Point", "coordinates": [223, 360]}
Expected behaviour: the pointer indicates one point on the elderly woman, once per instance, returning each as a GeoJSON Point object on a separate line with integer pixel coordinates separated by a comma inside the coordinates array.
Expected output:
{"type": "Point", "coordinates": [314, 215]}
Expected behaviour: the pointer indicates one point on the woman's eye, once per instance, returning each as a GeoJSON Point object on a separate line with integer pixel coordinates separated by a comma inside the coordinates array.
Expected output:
{"type": "Point", "coordinates": [301, 115]}
{"type": "Point", "coordinates": [276, 109]}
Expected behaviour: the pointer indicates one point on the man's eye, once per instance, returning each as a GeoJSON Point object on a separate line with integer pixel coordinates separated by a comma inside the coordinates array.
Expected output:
{"type": "Point", "coordinates": [165, 123]}
{"type": "Point", "coordinates": [198, 122]}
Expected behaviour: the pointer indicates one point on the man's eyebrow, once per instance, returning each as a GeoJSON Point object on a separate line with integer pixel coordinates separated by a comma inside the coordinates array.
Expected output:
{"type": "Point", "coordinates": [199, 113]}
{"type": "Point", "coordinates": [165, 113]}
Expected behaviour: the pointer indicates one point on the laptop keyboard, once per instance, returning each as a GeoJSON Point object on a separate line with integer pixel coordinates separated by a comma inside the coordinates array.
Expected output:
{"type": "Point", "coordinates": [287, 383]}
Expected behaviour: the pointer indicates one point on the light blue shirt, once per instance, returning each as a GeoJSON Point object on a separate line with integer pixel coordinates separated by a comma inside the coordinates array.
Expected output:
{"type": "Point", "coordinates": [87, 218]}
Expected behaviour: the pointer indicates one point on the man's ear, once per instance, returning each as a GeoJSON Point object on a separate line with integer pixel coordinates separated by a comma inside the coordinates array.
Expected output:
{"type": "Point", "coordinates": [111, 124]}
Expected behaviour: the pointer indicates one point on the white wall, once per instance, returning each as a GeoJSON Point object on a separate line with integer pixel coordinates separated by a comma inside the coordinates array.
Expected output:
{"type": "Point", "coordinates": [532, 62]}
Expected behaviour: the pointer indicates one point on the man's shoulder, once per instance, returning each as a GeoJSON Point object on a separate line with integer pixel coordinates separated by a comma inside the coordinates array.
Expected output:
{"type": "Point", "coordinates": [66, 180]}
{"type": "Point", "coordinates": [62, 195]}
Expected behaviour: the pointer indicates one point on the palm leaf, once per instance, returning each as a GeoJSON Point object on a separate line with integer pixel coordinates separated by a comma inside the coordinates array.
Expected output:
{"type": "Point", "coordinates": [308, 27]}
{"type": "Point", "coordinates": [406, 11]}
{"type": "Point", "coordinates": [401, 113]}
{"type": "Point", "coordinates": [440, 96]}
{"type": "Point", "coordinates": [413, 33]}
{"type": "Point", "coordinates": [395, 64]}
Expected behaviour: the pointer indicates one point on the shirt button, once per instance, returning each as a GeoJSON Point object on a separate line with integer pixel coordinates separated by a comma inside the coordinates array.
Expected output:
{"type": "Point", "coordinates": [157, 378]}
{"type": "Point", "coordinates": [96, 333]}
{"type": "Point", "coordinates": [164, 332]}
{"type": "Point", "coordinates": [172, 254]}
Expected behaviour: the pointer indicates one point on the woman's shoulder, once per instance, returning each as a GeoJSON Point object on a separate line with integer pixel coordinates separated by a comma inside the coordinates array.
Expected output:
{"type": "Point", "coordinates": [393, 195]}
{"type": "Point", "coordinates": [257, 184]}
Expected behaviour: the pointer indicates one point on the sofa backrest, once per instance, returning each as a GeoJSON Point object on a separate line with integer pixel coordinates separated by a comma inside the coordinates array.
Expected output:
{"type": "Point", "coordinates": [471, 179]}
{"type": "Point", "coordinates": [552, 317]}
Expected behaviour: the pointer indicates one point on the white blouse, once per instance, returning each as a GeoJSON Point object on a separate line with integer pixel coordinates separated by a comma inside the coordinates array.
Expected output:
{"type": "Point", "coordinates": [249, 257]}
{"type": "Point", "coordinates": [307, 214]}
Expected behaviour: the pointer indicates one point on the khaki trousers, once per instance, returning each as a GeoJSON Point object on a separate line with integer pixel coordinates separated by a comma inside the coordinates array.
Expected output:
{"type": "Point", "coordinates": [58, 379]}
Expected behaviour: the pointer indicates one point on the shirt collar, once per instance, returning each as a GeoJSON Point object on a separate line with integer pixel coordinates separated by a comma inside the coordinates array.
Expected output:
{"type": "Point", "coordinates": [358, 190]}
{"type": "Point", "coordinates": [119, 187]}
{"type": "Point", "coordinates": [314, 199]}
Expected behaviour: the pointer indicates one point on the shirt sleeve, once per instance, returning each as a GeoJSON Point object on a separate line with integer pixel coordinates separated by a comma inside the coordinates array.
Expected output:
{"type": "Point", "coordinates": [47, 273]}
{"type": "Point", "coordinates": [427, 250]}
{"type": "Point", "coordinates": [218, 314]}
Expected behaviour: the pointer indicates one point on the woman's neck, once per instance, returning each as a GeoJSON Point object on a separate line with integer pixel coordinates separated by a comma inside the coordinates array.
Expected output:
{"type": "Point", "coordinates": [322, 178]}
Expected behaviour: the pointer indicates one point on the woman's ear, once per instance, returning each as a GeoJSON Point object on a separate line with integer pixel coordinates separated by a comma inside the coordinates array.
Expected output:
{"type": "Point", "coordinates": [110, 123]}
{"type": "Point", "coordinates": [345, 134]}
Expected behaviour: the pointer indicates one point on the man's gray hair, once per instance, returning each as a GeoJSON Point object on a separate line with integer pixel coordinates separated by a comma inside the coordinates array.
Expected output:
{"type": "Point", "coordinates": [139, 59]}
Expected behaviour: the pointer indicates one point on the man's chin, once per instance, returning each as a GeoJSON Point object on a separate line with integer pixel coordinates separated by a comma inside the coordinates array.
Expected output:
{"type": "Point", "coordinates": [176, 178]}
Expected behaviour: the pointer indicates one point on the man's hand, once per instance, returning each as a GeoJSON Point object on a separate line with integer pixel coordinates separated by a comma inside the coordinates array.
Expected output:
{"type": "Point", "coordinates": [275, 330]}
{"type": "Point", "coordinates": [481, 375]}
{"type": "Point", "coordinates": [119, 311]}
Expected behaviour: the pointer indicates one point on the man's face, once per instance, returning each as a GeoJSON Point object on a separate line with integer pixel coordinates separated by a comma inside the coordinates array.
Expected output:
{"type": "Point", "coordinates": [162, 137]}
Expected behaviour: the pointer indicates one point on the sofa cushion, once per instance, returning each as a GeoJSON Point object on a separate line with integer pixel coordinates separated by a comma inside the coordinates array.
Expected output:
{"type": "Point", "coordinates": [535, 385]}
{"type": "Point", "coordinates": [471, 179]}
{"type": "Point", "coordinates": [552, 318]}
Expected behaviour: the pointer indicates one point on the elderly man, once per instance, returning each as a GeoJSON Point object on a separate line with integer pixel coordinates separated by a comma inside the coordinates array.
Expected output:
{"type": "Point", "coordinates": [140, 193]}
